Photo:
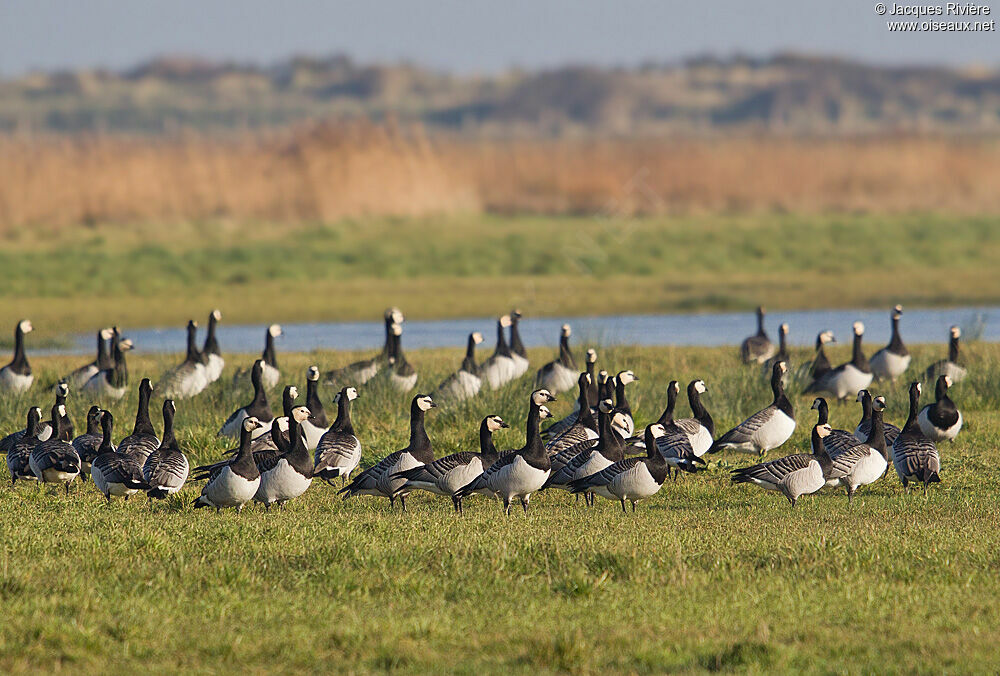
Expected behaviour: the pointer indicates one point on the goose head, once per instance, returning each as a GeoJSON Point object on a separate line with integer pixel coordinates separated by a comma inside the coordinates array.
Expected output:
{"type": "Point", "coordinates": [126, 345]}
{"type": "Point", "coordinates": [515, 314]}
{"type": "Point", "coordinates": [495, 422]}
{"type": "Point", "coordinates": [817, 403]}
{"type": "Point", "coordinates": [312, 373]}
{"type": "Point", "coordinates": [216, 315]}
{"type": "Point", "coordinates": [955, 332]}
{"type": "Point", "coordinates": [626, 377]}
{"type": "Point", "coordinates": [544, 412]}
{"type": "Point", "coordinates": [395, 315]}
{"type": "Point", "coordinates": [606, 406]}
{"type": "Point", "coordinates": [169, 407]}
{"type": "Point", "coordinates": [350, 392]}
{"type": "Point", "coordinates": [897, 311]}
{"type": "Point", "coordinates": [878, 403]}
{"type": "Point", "coordinates": [274, 330]}
{"type": "Point", "coordinates": [62, 389]}
{"type": "Point", "coordinates": [251, 423]}
{"type": "Point", "coordinates": [145, 387]}
{"type": "Point", "coordinates": [539, 397]}
{"type": "Point", "coordinates": [566, 331]}
{"type": "Point", "coordinates": [24, 326]}
{"type": "Point", "coordinates": [673, 387]}
{"type": "Point", "coordinates": [591, 356]}
{"type": "Point", "coordinates": [301, 413]}
{"type": "Point", "coordinates": [783, 329]}
{"type": "Point", "coordinates": [424, 402]}
{"type": "Point", "coordinates": [859, 328]}
{"type": "Point", "coordinates": [861, 395]}
{"type": "Point", "coordinates": [700, 387]}
{"type": "Point", "coordinates": [505, 321]}
{"type": "Point", "coordinates": [824, 430]}
{"type": "Point", "coordinates": [106, 334]}
{"type": "Point", "coordinates": [477, 337]}
{"type": "Point", "coordinates": [656, 430]}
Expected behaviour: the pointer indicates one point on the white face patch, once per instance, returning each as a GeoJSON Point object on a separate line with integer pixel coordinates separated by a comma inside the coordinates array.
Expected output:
{"type": "Point", "coordinates": [657, 430]}
{"type": "Point", "coordinates": [312, 373]}
{"type": "Point", "coordinates": [566, 330]}
{"type": "Point", "coordinates": [783, 367]}
{"type": "Point", "coordinates": [879, 403]}
{"type": "Point", "coordinates": [25, 326]}
{"type": "Point", "coordinates": [826, 337]}
{"type": "Point", "coordinates": [396, 315]}
{"type": "Point", "coordinates": [293, 392]}
{"type": "Point", "coordinates": [956, 332]}
{"type": "Point", "coordinates": [784, 328]}
{"type": "Point", "coordinates": [126, 345]}
{"type": "Point", "coordinates": [274, 330]}
{"type": "Point", "coordinates": [106, 334]}
{"type": "Point", "coordinates": [477, 337]}
{"type": "Point", "coordinates": [898, 309]}
{"type": "Point", "coordinates": [544, 412]}
{"type": "Point", "coordinates": [920, 388]}
{"type": "Point", "coordinates": [675, 386]}
{"type": "Point", "coordinates": [352, 394]}
{"type": "Point", "coordinates": [539, 397]}
{"type": "Point", "coordinates": [217, 315]}
{"type": "Point", "coordinates": [947, 381]}
{"type": "Point", "coordinates": [626, 377]}
{"type": "Point", "coordinates": [606, 406]}
{"type": "Point", "coordinates": [62, 410]}
{"type": "Point", "coordinates": [592, 356]}
{"type": "Point", "coordinates": [859, 328]}
{"type": "Point", "coordinates": [301, 413]}
{"type": "Point", "coordinates": [505, 321]}
{"type": "Point", "coordinates": [700, 387]}
{"type": "Point", "coordinates": [425, 403]}
{"type": "Point", "coordinates": [823, 430]}
{"type": "Point", "coordinates": [250, 424]}
{"type": "Point", "coordinates": [494, 423]}
{"type": "Point", "coordinates": [397, 330]}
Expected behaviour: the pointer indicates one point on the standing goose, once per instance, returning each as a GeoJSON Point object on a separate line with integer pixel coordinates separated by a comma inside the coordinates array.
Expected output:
{"type": "Point", "coordinates": [114, 472]}
{"type": "Point", "coordinates": [45, 427]}
{"type": "Point", "coordinates": [288, 474]}
{"type": "Point", "coordinates": [821, 363]}
{"type": "Point", "coordinates": [19, 453]}
{"type": "Point", "coordinates": [517, 351]}
{"type": "Point", "coordinates": [16, 377]}
{"type": "Point", "coordinates": [849, 378]}
{"type": "Point", "coordinates": [766, 429]}
{"type": "Point", "coordinates": [143, 440]}
{"type": "Point", "coordinates": [339, 451]}
{"type": "Point", "coordinates": [381, 479]}
{"type": "Point", "coordinates": [80, 376]}
{"type": "Point", "coordinates": [315, 425]}
{"type": "Point", "coordinates": [519, 473]}
{"type": "Point", "coordinates": [684, 441]}
{"type": "Point", "coordinates": [630, 479]}
{"type": "Point", "coordinates": [838, 441]}
{"type": "Point", "coordinates": [271, 375]}
{"type": "Point", "coordinates": [914, 456]}
{"type": "Point", "coordinates": [113, 382]}
{"type": "Point", "coordinates": [952, 366]}
{"type": "Point", "coordinates": [892, 360]}
{"type": "Point", "coordinates": [609, 449]}
{"type": "Point", "coordinates": [780, 355]}
{"type": "Point", "coordinates": [55, 460]}
{"type": "Point", "coordinates": [189, 377]}
{"type": "Point", "coordinates": [87, 445]}
{"type": "Point", "coordinates": [585, 427]}
{"type": "Point", "coordinates": [446, 475]}
{"type": "Point", "coordinates": [465, 382]}
{"type": "Point", "coordinates": [257, 408]}
{"type": "Point", "coordinates": [559, 375]}
{"type": "Point", "coordinates": [627, 427]}
{"type": "Point", "coordinates": [865, 464]}
{"type": "Point", "coordinates": [757, 348]}
{"type": "Point", "coordinates": [499, 369]}
{"type": "Point", "coordinates": [940, 421]}
{"type": "Point", "coordinates": [214, 363]}
{"type": "Point", "coordinates": [166, 469]}
{"type": "Point", "coordinates": [864, 428]}
{"type": "Point", "coordinates": [234, 483]}
{"type": "Point", "coordinates": [794, 475]}
{"type": "Point", "coordinates": [360, 372]}
{"type": "Point", "coordinates": [700, 428]}
{"type": "Point", "coordinates": [401, 374]}
{"type": "Point", "coordinates": [593, 396]}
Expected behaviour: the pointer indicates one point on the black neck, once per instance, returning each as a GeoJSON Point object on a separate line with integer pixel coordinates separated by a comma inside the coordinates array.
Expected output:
{"type": "Point", "coordinates": [534, 449]}
{"type": "Point", "coordinates": [895, 342]}
{"type": "Point", "coordinates": [119, 375]}
{"type": "Point", "coordinates": [516, 345]}
{"type": "Point", "coordinates": [857, 356]}
{"type": "Point", "coordinates": [317, 414]}
{"type": "Point", "coordinates": [940, 389]}
{"type": "Point", "coordinates": [866, 408]}
{"type": "Point", "coordinates": [420, 443]}
{"type": "Point", "coordinates": [667, 417]}
{"type": "Point", "coordinates": [911, 418]}
{"type": "Point", "coordinates": [592, 389]}
{"type": "Point", "coordinates": [822, 412]}
{"type": "Point", "coordinates": [20, 361]}
{"type": "Point", "coordinates": [343, 422]}
{"type": "Point", "coordinates": [103, 358]}
{"type": "Point", "coordinates": [698, 409]}
{"type": "Point", "coordinates": [192, 343]}
{"type": "Point", "coordinates": [243, 463]}
{"type": "Point", "coordinates": [780, 400]}
{"type": "Point", "coordinates": [565, 356]}
{"type": "Point", "coordinates": [387, 346]}
{"type": "Point", "coordinates": [876, 436]}
{"type": "Point", "coordinates": [819, 450]}
{"type": "Point", "coordinates": [502, 349]}
{"type": "Point", "coordinates": [953, 349]}
{"type": "Point", "coordinates": [621, 402]}
{"type": "Point", "coordinates": [469, 363]}
{"type": "Point", "coordinates": [143, 425]}
{"type": "Point", "coordinates": [211, 344]}
{"type": "Point", "coordinates": [268, 355]}
{"type": "Point", "coordinates": [168, 440]}
{"type": "Point", "coordinates": [259, 403]}
{"type": "Point", "coordinates": [31, 428]}
{"type": "Point", "coordinates": [609, 444]}
{"type": "Point", "coordinates": [486, 446]}
{"type": "Point", "coordinates": [107, 427]}
{"type": "Point", "coordinates": [782, 345]}
{"type": "Point", "coordinates": [760, 325]}
{"type": "Point", "coordinates": [585, 416]}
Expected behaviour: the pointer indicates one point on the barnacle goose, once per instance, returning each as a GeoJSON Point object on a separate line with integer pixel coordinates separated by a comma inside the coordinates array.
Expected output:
{"type": "Point", "coordinates": [257, 408]}
{"type": "Point", "coordinates": [16, 377]}
{"type": "Point", "coordinates": [189, 377]}
{"type": "Point", "coordinates": [143, 439]}
{"type": "Point", "coordinates": [821, 363]}
{"type": "Point", "coordinates": [339, 451]}
{"type": "Point", "coordinates": [499, 369]}
{"type": "Point", "coordinates": [914, 456]}
{"type": "Point", "coordinates": [517, 351]}
{"type": "Point", "coordinates": [559, 375]}
{"type": "Point", "coordinates": [269, 357]}
{"type": "Point", "coordinates": [940, 421]}
{"type": "Point", "coordinates": [114, 472]}
{"type": "Point", "coordinates": [465, 382]}
{"type": "Point", "coordinates": [402, 375]}
{"type": "Point", "coordinates": [112, 383]}
{"type": "Point", "coordinates": [766, 429]}
{"type": "Point", "coordinates": [609, 449]}
{"type": "Point", "coordinates": [593, 396]}
{"type": "Point", "coordinates": [19, 452]}
{"type": "Point", "coordinates": [684, 441]}
{"type": "Point", "coordinates": [79, 377]}
{"type": "Point", "coordinates": [866, 463]}
{"type": "Point", "coordinates": [519, 473]}
{"type": "Point", "coordinates": [88, 443]}
{"type": "Point", "coordinates": [446, 475]}
{"type": "Point", "coordinates": [849, 378]}
{"type": "Point", "coordinates": [45, 427]}
{"type": "Point", "coordinates": [381, 480]}
{"type": "Point", "coordinates": [315, 425]}
{"type": "Point", "coordinates": [794, 475]}
{"type": "Point", "coordinates": [55, 460]}
{"type": "Point", "coordinates": [585, 427]}
{"type": "Point", "coordinates": [838, 442]}
{"type": "Point", "coordinates": [699, 428]}
{"type": "Point", "coordinates": [214, 363]}
{"type": "Point", "coordinates": [864, 428]}
{"type": "Point", "coordinates": [624, 378]}
{"type": "Point", "coordinates": [757, 348]}
{"type": "Point", "coordinates": [360, 372]}
{"type": "Point", "coordinates": [892, 360]}
{"type": "Point", "coordinates": [952, 366]}
{"type": "Point", "coordinates": [629, 479]}
{"type": "Point", "coordinates": [235, 482]}
{"type": "Point", "coordinates": [780, 355]}
{"type": "Point", "coordinates": [287, 474]}
{"type": "Point", "coordinates": [166, 469]}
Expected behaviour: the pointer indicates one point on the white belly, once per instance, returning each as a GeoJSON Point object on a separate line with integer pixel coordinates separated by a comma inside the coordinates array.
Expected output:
{"type": "Point", "coordinates": [403, 383]}
{"type": "Point", "coordinates": [849, 382]}
{"type": "Point", "coordinates": [498, 371]}
{"type": "Point", "coordinates": [517, 479]}
{"type": "Point", "coordinates": [701, 441]}
{"type": "Point", "coordinates": [774, 433]}
{"type": "Point", "coordinates": [520, 365]}
{"type": "Point", "coordinates": [935, 434]}
{"type": "Point", "coordinates": [558, 378]}
{"type": "Point", "coordinates": [55, 476]}
{"type": "Point", "coordinates": [888, 366]}
{"type": "Point", "coordinates": [388, 486]}
{"type": "Point", "coordinates": [214, 367]}
{"type": "Point", "coordinates": [804, 481]}
{"type": "Point", "coordinates": [634, 484]}
{"type": "Point", "coordinates": [14, 382]}
{"type": "Point", "coordinates": [270, 376]}
{"type": "Point", "coordinates": [229, 489]}
{"type": "Point", "coordinates": [281, 483]}
{"type": "Point", "coordinates": [99, 386]}
{"type": "Point", "coordinates": [460, 476]}
{"type": "Point", "coordinates": [868, 470]}
{"type": "Point", "coordinates": [460, 386]}
{"type": "Point", "coordinates": [313, 434]}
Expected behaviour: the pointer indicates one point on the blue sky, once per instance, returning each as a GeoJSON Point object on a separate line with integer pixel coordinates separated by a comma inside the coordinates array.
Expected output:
{"type": "Point", "coordinates": [465, 36]}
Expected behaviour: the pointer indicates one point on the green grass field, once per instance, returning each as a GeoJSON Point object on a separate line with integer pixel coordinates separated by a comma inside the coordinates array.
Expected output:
{"type": "Point", "coordinates": [154, 274]}
{"type": "Point", "coordinates": [706, 576]}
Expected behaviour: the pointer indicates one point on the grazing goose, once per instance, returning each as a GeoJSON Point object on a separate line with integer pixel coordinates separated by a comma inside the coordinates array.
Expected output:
{"type": "Point", "coordinates": [234, 483]}
{"type": "Point", "coordinates": [621, 402]}
{"type": "Point", "coordinates": [446, 475]}
{"type": "Point", "coordinates": [87, 444]}
{"type": "Point", "coordinates": [780, 355]}
{"type": "Point", "coordinates": [45, 427]}
{"type": "Point", "coordinates": [517, 351]}
{"type": "Point", "coordinates": [821, 363]}
{"type": "Point", "coordinates": [401, 374]}
{"type": "Point", "coordinates": [609, 449]}
{"type": "Point", "coordinates": [381, 480]}
{"type": "Point", "coordinates": [214, 363]}
{"type": "Point", "coordinates": [864, 464]}
{"type": "Point", "coordinates": [849, 378]}
{"type": "Point", "coordinates": [189, 377]}
{"type": "Point", "coordinates": [593, 396]}
{"type": "Point", "coordinates": [914, 456]}
{"type": "Point", "coordinates": [559, 375]}
{"type": "Point", "coordinates": [166, 469]}
{"type": "Point", "coordinates": [315, 425]}
{"type": "Point", "coordinates": [143, 440]}
{"type": "Point", "coordinates": [55, 460]}
{"type": "Point", "coordinates": [19, 453]}
{"type": "Point", "coordinates": [518, 474]}
{"type": "Point", "coordinates": [112, 383]}
{"type": "Point", "coordinates": [465, 382]}
{"type": "Point", "coordinates": [940, 421]}
{"type": "Point", "coordinates": [864, 428]}
{"type": "Point", "coordinates": [257, 408]}
{"type": "Point", "coordinates": [499, 369]}
{"type": "Point", "coordinates": [794, 475]}
{"type": "Point", "coordinates": [16, 377]}
{"type": "Point", "coordinates": [339, 451]}
{"type": "Point", "coordinates": [757, 348]}
{"type": "Point", "coordinates": [114, 472]}
{"type": "Point", "coordinates": [360, 372]}
{"type": "Point", "coordinates": [80, 376]}
{"type": "Point", "coordinates": [585, 427]}
{"type": "Point", "coordinates": [629, 479]}
{"type": "Point", "coordinates": [892, 360]}
{"type": "Point", "coordinates": [952, 366]}
{"type": "Point", "coordinates": [287, 474]}
{"type": "Point", "coordinates": [766, 429]}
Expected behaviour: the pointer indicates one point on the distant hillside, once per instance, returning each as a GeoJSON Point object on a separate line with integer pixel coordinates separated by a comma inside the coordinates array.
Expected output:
{"type": "Point", "coordinates": [784, 94]}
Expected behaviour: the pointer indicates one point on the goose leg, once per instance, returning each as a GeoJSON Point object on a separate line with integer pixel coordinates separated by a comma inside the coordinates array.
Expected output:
{"type": "Point", "coordinates": [524, 505]}
{"type": "Point", "coordinates": [402, 501]}
{"type": "Point", "coordinates": [506, 506]}
{"type": "Point", "coordinates": [850, 494]}
{"type": "Point", "coordinates": [624, 511]}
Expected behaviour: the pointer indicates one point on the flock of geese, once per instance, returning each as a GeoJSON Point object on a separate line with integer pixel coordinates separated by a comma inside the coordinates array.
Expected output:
{"type": "Point", "coordinates": [594, 451]}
